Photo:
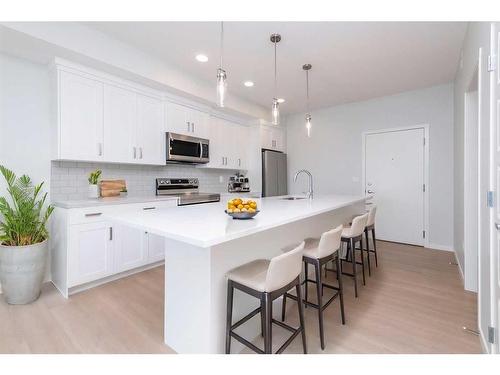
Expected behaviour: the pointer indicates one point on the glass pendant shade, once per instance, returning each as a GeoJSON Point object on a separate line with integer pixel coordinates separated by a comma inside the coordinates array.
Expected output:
{"type": "Point", "coordinates": [275, 112]}
{"type": "Point", "coordinates": [308, 124]}
{"type": "Point", "coordinates": [221, 86]}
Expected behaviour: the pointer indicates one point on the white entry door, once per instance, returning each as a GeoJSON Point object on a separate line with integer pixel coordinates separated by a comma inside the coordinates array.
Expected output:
{"type": "Point", "coordinates": [495, 181]}
{"type": "Point", "coordinates": [395, 176]}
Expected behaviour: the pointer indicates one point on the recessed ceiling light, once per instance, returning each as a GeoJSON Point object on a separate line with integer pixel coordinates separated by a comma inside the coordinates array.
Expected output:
{"type": "Point", "coordinates": [281, 100]}
{"type": "Point", "coordinates": [202, 58]}
{"type": "Point", "coordinates": [248, 83]}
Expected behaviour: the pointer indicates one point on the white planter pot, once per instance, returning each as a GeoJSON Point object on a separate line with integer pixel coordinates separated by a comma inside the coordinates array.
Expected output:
{"type": "Point", "coordinates": [22, 269]}
{"type": "Point", "coordinates": [93, 191]}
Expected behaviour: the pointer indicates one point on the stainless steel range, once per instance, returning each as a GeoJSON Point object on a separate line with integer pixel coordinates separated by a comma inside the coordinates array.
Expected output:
{"type": "Point", "coordinates": [186, 189]}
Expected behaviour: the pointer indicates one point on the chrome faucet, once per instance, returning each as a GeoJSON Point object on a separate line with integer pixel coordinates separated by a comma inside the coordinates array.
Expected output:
{"type": "Point", "coordinates": [310, 192]}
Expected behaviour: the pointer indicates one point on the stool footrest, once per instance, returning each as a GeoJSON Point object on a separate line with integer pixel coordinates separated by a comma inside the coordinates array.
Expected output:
{"type": "Point", "coordinates": [314, 305]}
{"type": "Point", "coordinates": [246, 343]}
{"type": "Point", "coordinates": [246, 318]}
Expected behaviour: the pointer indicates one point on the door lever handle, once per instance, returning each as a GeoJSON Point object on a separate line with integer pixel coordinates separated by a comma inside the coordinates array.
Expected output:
{"type": "Point", "coordinates": [497, 225]}
{"type": "Point", "coordinates": [370, 191]}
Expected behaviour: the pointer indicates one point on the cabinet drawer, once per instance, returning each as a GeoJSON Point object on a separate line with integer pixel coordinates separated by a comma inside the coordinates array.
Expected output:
{"type": "Point", "coordinates": [98, 213]}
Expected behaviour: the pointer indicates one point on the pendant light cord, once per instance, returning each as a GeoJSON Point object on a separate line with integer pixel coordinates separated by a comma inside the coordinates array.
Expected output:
{"type": "Point", "coordinates": [307, 90]}
{"type": "Point", "coordinates": [275, 72]}
{"type": "Point", "coordinates": [221, 42]}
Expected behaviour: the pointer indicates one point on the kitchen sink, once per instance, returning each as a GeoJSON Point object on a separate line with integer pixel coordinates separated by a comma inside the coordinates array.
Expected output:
{"type": "Point", "coordinates": [293, 198]}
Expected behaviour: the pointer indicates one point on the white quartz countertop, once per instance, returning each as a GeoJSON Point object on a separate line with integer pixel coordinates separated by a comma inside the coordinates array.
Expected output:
{"type": "Point", "coordinates": [206, 225]}
{"type": "Point", "coordinates": [111, 201]}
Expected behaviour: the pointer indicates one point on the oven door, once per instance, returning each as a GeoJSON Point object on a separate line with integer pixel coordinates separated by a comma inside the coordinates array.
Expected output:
{"type": "Point", "coordinates": [183, 148]}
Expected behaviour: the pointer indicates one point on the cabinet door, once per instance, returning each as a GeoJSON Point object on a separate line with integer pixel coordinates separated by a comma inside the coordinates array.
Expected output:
{"type": "Point", "coordinates": [120, 118]}
{"type": "Point", "coordinates": [217, 146]}
{"type": "Point", "coordinates": [177, 121]}
{"type": "Point", "coordinates": [156, 247]}
{"type": "Point", "coordinates": [198, 121]}
{"type": "Point", "coordinates": [241, 150]}
{"type": "Point", "coordinates": [130, 250]}
{"type": "Point", "coordinates": [266, 136]}
{"type": "Point", "coordinates": [278, 137]}
{"type": "Point", "coordinates": [90, 253]}
{"type": "Point", "coordinates": [80, 118]}
{"type": "Point", "coordinates": [150, 132]}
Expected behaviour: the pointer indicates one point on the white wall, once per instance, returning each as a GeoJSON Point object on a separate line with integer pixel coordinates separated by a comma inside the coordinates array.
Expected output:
{"type": "Point", "coordinates": [334, 152]}
{"type": "Point", "coordinates": [24, 119]}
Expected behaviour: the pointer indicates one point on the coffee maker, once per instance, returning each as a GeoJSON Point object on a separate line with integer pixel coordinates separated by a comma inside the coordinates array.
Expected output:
{"type": "Point", "coordinates": [238, 184]}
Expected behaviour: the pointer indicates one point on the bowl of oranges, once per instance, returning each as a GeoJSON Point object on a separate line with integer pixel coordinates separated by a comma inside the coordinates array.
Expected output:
{"type": "Point", "coordinates": [241, 209]}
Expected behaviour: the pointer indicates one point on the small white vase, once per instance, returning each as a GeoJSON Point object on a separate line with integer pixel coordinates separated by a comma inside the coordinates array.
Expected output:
{"type": "Point", "coordinates": [93, 191]}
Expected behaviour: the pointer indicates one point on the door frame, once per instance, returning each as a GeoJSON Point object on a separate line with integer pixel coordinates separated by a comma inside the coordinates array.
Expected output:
{"type": "Point", "coordinates": [425, 127]}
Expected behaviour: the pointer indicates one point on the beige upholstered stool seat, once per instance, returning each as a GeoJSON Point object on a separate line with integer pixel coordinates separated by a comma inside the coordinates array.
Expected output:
{"type": "Point", "coordinates": [252, 275]}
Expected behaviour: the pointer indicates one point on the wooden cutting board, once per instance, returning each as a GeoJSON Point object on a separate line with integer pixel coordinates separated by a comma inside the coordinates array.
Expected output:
{"type": "Point", "coordinates": [112, 188]}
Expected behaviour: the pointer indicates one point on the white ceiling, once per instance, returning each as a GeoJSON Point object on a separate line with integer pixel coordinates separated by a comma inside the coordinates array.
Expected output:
{"type": "Point", "coordinates": [351, 61]}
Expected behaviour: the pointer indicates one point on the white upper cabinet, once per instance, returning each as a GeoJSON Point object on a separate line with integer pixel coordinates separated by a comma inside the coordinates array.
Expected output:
{"type": "Point", "coordinates": [272, 138]}
{"type": "Point", "coordinates": [120, 124]}
{"type": "Point", "coordinates": [187, 121]}
{"type": "Point", "coordinates": [150, 130]}
{"type": "Point", "coordinates": [228, 145]}
{"type": "Point", "coordinates": [80, 118]}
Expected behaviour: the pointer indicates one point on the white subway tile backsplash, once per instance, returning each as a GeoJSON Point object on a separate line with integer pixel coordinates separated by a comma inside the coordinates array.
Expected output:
{"type": "Point", "coordinates": [69, 179]}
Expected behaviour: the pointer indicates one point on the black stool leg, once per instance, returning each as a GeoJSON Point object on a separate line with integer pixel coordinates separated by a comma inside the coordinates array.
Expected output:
{"type": "Point", "coordinates": [353, 261]}
{"type": "Point", "coordinates": [362, 251]}
{"type": "Point", "coordinates": [229, 315]}
{"type": "Point", "coordinates": [301, 317]}
{"type": "Point", "coordinates": [375, 247]}
{"type": "Point", "coordinates": [262, 318]}
{"type": "Point", "coordinates": [268, 330]}
{"type": "Point", "coordinates": [341, 288]}
{"type": "Point", "coordinates": [368, 253]}
{"type": "Point", "coordinates": [319, 284]}
{"type": "Point", "coordinates": [305, 284]}
{"type": "Point", "coordinates": [283, 307]}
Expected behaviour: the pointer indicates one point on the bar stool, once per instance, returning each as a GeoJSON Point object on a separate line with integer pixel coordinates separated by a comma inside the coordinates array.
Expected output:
{"type": "Point", "coordinates": [318, 252]}
{"type": "Point", "coordinates": [266, 280]}
{"type": "Point", "coordinates": [352, 235]}
{"type": "Point", "coordinates": [370, 226]}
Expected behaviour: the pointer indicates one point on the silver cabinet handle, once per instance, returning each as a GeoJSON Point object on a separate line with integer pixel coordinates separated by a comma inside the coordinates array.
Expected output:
{"type": "Point", "coordinates": [223, 160]}
{"type": "Point", "coordinates": [93, 214]}
{"type": "Point", "coordinates": [192, 127]}
{"type": "Point", "coordinates": [99, 148]}
{"type": "Point", "coordinates": [140, 152]}
{"type": "Point", "coordinates": [189, 126]}
{"type": "Point", "coordinates": [111, 233]}
{"type": "Point", "coordinates": [497, 226]}
{"type": "Point", "coordinates": [239, 162]}
{"type": "Point", "coordinates": [135, 152]}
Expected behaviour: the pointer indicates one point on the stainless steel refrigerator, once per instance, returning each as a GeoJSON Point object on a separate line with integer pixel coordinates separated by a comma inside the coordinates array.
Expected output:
{"type": "Point", "coordinates": [274, 177]}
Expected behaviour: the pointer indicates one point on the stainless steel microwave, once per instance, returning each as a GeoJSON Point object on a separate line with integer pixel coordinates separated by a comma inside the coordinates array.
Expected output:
{"type": "Point", "coordinates": [186, 149]}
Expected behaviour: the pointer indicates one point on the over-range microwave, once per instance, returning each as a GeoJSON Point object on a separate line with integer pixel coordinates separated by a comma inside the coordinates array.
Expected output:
{"type": "Point", "coordinates": [186, 149]}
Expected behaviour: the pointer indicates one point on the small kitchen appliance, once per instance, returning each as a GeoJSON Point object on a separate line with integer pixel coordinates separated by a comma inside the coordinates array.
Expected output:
{"type": "Point", "coordinates": [238, 184]}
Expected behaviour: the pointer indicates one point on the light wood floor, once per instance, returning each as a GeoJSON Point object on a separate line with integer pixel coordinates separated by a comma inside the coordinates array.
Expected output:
{"type": "Point", "coordinates": [414, 302]}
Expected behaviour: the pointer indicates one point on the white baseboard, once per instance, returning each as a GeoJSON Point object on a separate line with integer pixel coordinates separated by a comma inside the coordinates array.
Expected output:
{"type": "Point", "coordinates": [460, 270]}
{"type": "Point", "coordinates": [440, 247]}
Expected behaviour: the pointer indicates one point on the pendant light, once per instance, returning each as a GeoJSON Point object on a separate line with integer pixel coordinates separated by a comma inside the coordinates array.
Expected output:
{"type": "Point", "coordinates": [307, 68]}
{"type": "Point", "coordinates": [275, 111]}
{"type": "Point", "coordinates": [221, 73]}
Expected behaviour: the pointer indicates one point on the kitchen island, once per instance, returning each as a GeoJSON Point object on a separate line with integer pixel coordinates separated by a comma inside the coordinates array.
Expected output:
{"type": "Point", "coordinates": [202, 244]}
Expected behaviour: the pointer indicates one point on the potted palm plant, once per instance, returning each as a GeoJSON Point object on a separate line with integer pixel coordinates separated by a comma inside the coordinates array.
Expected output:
{"type": "Point", "coordinates": [23, 238]}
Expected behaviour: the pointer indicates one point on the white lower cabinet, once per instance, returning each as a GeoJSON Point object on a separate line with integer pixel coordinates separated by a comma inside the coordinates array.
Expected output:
{"type": "Point", "coordinates": [131, 250]}
{"type": "Point", "coordinates": [91, 252]}
{"type": "Point", "coordinates": [86, 248]}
